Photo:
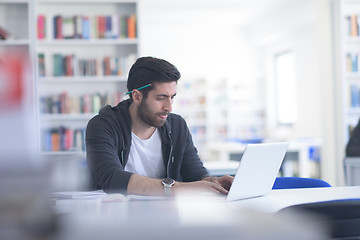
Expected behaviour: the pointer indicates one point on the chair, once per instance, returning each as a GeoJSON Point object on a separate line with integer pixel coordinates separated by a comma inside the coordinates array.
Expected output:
{"type": "Point", "coordinates": [298, 182]}
{"type": "Point", "coordinates": [341, 217]}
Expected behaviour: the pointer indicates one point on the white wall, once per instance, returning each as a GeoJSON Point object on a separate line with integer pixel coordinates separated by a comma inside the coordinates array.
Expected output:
{"type": "Point", "coordinates": [293, 28]}
{"type": "Point", "coordinates": [200, 42]}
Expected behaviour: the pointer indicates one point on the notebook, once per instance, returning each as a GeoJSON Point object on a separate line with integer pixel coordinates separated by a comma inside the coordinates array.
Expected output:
{"type": "Point", "coordinates": [257, 171]}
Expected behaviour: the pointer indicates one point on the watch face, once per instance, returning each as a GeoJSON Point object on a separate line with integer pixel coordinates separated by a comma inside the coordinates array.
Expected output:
{"type": "Point", "coordinates": [168, 181]}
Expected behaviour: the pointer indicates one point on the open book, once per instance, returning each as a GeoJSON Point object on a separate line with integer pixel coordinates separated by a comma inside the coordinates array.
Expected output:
{"type": "Point", "coordinates": [104, 196]}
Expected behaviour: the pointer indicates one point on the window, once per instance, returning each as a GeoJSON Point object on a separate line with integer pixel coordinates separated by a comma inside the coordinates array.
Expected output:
{"type": "Point", "coordinates": [285, 88]}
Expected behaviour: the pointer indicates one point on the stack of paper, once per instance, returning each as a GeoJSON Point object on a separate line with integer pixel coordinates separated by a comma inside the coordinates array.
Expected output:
{"type": "Point", "coordinates": [78, 195]}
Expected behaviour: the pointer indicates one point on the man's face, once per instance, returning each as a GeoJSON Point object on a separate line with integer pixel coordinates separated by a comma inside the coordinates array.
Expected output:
{"type": "Point", "coordinates": [154, 110]}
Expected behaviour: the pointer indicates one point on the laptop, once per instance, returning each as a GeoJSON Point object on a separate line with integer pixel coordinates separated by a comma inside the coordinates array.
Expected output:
{"type": "Point", "coordinates": [257, 171]}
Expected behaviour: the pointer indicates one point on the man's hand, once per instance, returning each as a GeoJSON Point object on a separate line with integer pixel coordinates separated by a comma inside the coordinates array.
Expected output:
{"type": "Point", "coordinates": [210, 184]}
{"type": "Point", "coordinates": [225, 181]}
{"type": "Point", "coordinates": [199, 186]}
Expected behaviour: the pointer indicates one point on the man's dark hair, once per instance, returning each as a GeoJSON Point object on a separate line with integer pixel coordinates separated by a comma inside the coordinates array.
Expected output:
{"type": "Point", "coordinates": [148, 70]}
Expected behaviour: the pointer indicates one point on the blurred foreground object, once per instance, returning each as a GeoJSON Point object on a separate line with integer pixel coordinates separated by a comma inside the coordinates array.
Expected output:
{"type": "Point", "coordinates": [4, 34]}
{"type": "Point", "coordinates": [24, 211]}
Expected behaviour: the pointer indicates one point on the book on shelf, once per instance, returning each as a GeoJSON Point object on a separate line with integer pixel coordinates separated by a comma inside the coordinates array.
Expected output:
{"type": "Point", "coordinates": [354, 95]}
{"type": "Point", "coordinates": [4, 34]}
{"type": "Point", "coordinates": [352, 25]}
{"type": "Point", "coordinates": [58, 68]}
{"type": "Point", "coordinates": [352, 62]}
{"type": "Point", "coordinates": [41, 26]}
{"type": "Point", "coordinates": [101, 26]}
{"type": "Point", "coordinates": [78, 27]}
{"type": "Point", "coordinates": [41, 64]}
{"type": "Point", "coordinates": [93, 28]}
{"type": "Point", "coordinates": [131, 23]}
{"type": "Point", "coordinates": [57, 26]}
{"type": "Point", "coordinates": [85, 34]}
{"type": "Point", "coordinates": [115, 23]}
{"type": "Point", "coordinates": [108, 27]}
{"type": "Point", "coordinates": [68, 27]}
{"type": "Point", "coordinates": [123, 27]}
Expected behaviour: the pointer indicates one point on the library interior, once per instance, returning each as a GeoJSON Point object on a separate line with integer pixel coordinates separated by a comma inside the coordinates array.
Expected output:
{"type": "Point", "coordinates": [252, 71]}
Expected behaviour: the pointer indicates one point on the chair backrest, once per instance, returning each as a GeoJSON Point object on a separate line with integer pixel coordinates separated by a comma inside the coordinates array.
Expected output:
{"type": "Point", "coordinates": [298, 182]}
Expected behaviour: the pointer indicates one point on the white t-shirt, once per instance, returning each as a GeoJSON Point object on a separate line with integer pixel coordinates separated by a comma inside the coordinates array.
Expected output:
{"type": "Point", "coordinates": [145, 157]}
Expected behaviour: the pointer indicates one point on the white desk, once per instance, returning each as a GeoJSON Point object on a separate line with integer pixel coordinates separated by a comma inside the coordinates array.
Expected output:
{"type": "Point", "coordinates": [202, 217]}
{"type": "Point", "coordinates": [279, 199]}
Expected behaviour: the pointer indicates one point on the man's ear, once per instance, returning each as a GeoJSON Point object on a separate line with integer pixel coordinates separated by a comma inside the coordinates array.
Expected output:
{"type": "Point", "coordinates": [137, 96]}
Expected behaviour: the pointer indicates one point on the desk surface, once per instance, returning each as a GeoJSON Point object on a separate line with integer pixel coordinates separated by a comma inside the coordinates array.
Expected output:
{"type": "Point", "coordinates": [272, 202]}
{"type": "Point", "coordinates": [204, 216]}
{"type": "Point", "coordinates": [279, 199]}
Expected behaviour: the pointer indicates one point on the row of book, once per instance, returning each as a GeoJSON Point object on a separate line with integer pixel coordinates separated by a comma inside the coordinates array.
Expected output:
{"type": "Point", "coordinates": [88, 103]}
{"type": "Point", "coordinates": [63, 139]}
{"type": "Point", "coordinates": [352, 23]}
{"type": "Point", "coordinates": [352, 62]}
{"type": "Point", "coordinates": [71, 65]}
{"type": "Point", "coordinates": [88, 27]}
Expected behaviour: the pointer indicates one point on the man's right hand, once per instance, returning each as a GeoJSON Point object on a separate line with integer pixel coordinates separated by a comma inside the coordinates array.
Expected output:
{"type": "Point", "coordinates": [199, 186]}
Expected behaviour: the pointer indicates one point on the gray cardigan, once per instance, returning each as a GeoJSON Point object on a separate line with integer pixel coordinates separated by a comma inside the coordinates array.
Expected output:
{"type": "Point", "coordinates": [108, 141]}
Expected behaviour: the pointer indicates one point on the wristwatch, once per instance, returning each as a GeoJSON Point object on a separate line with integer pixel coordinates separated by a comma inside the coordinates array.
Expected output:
{"type": "Point", "coordinates": [168, 183]}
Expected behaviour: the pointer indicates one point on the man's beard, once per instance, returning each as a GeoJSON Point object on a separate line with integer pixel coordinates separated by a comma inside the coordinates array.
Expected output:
{"type": "Point", "coordinates": [150, 118]}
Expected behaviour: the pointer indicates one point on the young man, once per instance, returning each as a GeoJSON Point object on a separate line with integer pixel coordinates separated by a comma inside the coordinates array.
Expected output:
{"type": "Point", "coordinates": [139, 147]}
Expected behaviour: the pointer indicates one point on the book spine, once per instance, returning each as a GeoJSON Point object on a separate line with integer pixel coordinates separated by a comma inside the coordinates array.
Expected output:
{"type": "Point", "coordinates": [108, 27]}
{"type": "Point", "coordinates": [69, 139]}
{"type": "Point", "coordinates": [78, 27]}
{"type": "Point", "coordinates": [59, 28]}
{"type": "Point", "coordinates": [41, 27]}
{"type": "Point", "coordinates": [68, 27]}
{"type": "Point", "coordinates": [41, 64]}
{"type": "Point", "coordinates": [107, 68]}
{"type": "Point", "coordinates": [123, 27]}
{"type": "Point", "coordinates": [101, 26]}
{"type": "Point", "coordinates": [355, 96]}
{"type": "Point", "coordinates": [354, 27]}
{"type": "Point", "coordinates": [131, 22]}
{"type": "Point", "coordinates": [55, 140]}
{"type": "Point", "coordinates": [94, 22]}
{"type": "Point", "coordinates": [115, 26]}
{"type": "Point", "coordinates": [85, 27]}
{"type": "Point", "coordinates": [96, 103]}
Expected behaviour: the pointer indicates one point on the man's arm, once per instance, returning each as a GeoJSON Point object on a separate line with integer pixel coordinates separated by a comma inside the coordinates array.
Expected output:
{"type": "Point", "coordinates": [141, 185]}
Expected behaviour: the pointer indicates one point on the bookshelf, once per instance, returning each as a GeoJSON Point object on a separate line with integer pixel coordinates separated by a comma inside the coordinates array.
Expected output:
{"type": "Point", "coordinates": [15, 21]}
{"type": "Point", "coordinates": [83, 51]}
{"type": "Point", "coordinates": [192, 104]}
{"type": "Point", "coordinates": [350, 64]}
{"type": "Point", "coordinates": [237, 112]}
{"type": "Point", "coordinates": [220, 110]}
